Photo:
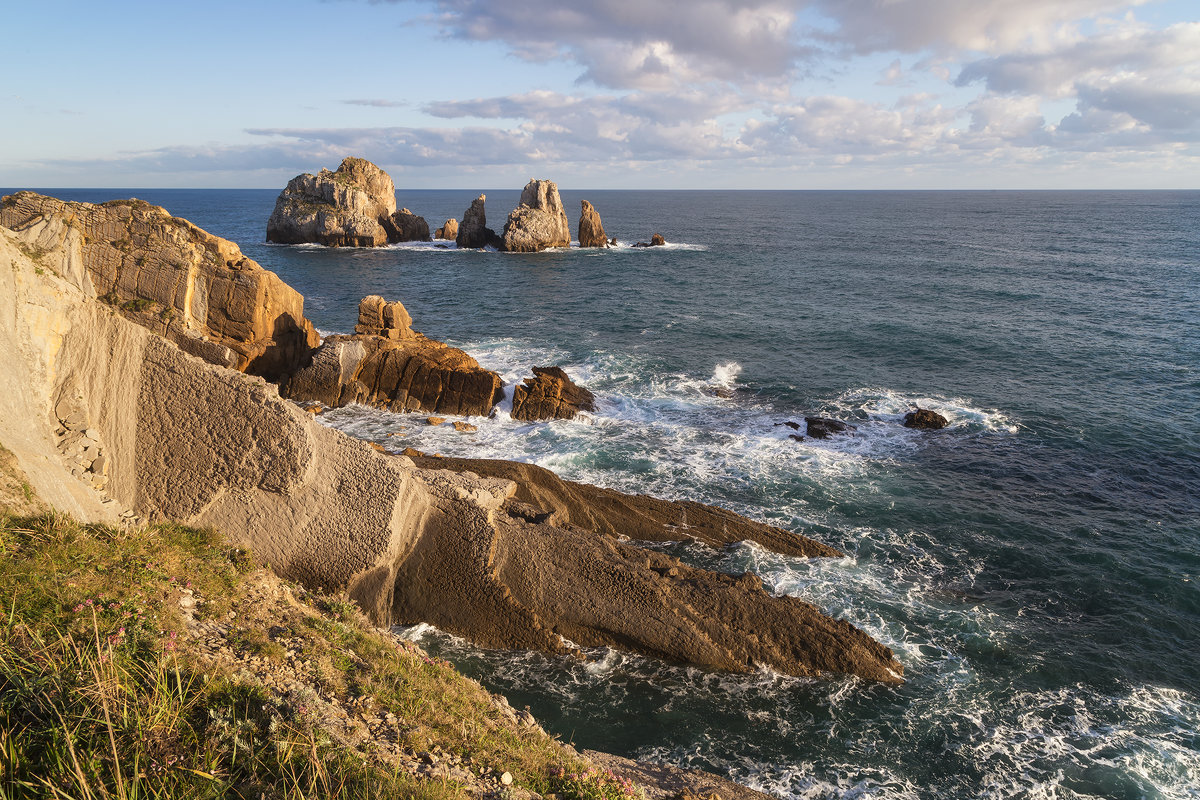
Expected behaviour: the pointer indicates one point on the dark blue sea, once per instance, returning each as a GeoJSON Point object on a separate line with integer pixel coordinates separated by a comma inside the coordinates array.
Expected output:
{"type": "Point", "coordinates": [1035, 565]}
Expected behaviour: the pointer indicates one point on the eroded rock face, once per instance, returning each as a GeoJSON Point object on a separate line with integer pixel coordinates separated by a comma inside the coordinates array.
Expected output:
{"type": "Point", "coordinates": [550, 394]}
{"type": "Point", "coordinates": [405, 226]}
{"type": "Point", "coordinates": [591, 229]}
{"type": "Point", "coordinates": [925, 419]}
{"type": "Point", "coordinates": [540, 221]}
{"type": "Point", "coordinates": [474, 233]}
{"type": "Point", "coordinates": [388, 365]}
{"type": "Point", "coordinates": [348, 208]}
{"type": "Point", "coordinates": [171, 277]}
{"type": "Point", "coordinates": [448, 231]}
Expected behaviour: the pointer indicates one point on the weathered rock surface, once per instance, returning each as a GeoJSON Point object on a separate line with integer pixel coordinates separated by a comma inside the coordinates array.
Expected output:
{"type": "Point", "coordinates": [591, 229]}
{"type": "Point", "coordinates": [209, 446]}
{"type": "Point", "coordinates": [448, 231]}
{"type": "Point", "coordinates": [348, 208]}
{"type": "Point", "coordinates": [388, 365]}
{"type": "Point", "coordinates": [474, 233]}
{"type": "Point", "coordinates": [655, 241]}
{"type": "Point", "coordinates": [668, 782]}
{"type": "Point", "coordinates": [540, 221]}
{"type": "Point", "coordinates": [405, 226]}
{"type": "Point", "coordinates": [171, 277]}
{"type": "Point", "coordinates": [550, 394]}
{"type": "Point", "coordinates": [542, 496]}
{"type": "Point", "coordinates": [925, 419]}
{"type": "Point", "coordinates": [823, 428]}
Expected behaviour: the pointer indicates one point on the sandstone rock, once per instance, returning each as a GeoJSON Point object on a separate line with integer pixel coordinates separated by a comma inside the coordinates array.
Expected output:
{"type": "Point", "coordinates": [550, 394]}
{"type": "Point", "coordinates": [388, 365]}
{"type": "Point", "coordinates": [925, 419]}
{"type": "Point", "coordinates": [449, 231]}
{"type": "Point", "coordinates": [591, 229]}
{"type": "Point", "coordinates": [181, 282]}
{"type": "Point", "coordinates": [465, 427]}
{"type": "Point", "coordinates": [347, 208]}
{"type": "Point", "coordinates": [378, 317]}
{"type": "Point", "coordinates": [823, 428]}
{"type": "Point", "coordinates": [406, 226]}
{"type": "Point", "coordinates": [473, 232]}
{"type": "Point", "coordinates": [538, 222]}
{"type": "Point", "coordinates": [435, 421]}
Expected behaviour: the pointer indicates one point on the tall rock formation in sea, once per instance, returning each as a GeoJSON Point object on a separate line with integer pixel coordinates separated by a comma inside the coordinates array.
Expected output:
{"type": "Point", "coordinates": [538, 222]}
{"type": "Point", "coordinates": [473, 232]}
{"type": "Point", "coordinates": [171, 277]}
{"type": "Point", "coordinates": [591, 229]}
{"type": "Point", "coordinates": [352, 207]}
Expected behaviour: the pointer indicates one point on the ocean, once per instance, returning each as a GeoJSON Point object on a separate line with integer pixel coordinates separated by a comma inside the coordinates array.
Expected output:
{"type": "Point", "coordinates": [1035, 565]}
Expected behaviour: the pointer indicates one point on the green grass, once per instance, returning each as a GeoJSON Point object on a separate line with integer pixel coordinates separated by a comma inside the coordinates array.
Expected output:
{"type": "Point", "coordinates": [103, 693]}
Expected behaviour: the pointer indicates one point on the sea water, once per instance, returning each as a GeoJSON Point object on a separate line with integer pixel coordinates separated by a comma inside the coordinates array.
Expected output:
{"type": "Point", "coordinates": [1035, 565]}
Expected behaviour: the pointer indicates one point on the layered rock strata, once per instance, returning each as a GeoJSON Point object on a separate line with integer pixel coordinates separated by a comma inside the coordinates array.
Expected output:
{"type": "Point", "coordinates": [171, 277]}
{"type": "Point", "coordinates": [210, 446]}
{"type": "Point", "coordinates": [550, 394]}
{"type": "Point", "coordinates": [591, 229]}
{"type": "Point", "coordinates": [474, 233]}
{"type": "Point", "coordinates": [347, 208]}
{"type": "Point", "coordinates": [388, 365]}
{"type": "Point", "coordinates": [540, 221]}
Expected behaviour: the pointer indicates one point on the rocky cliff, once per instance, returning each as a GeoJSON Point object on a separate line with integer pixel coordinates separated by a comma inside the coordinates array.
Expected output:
{"type": "Point", "coordinates": [210, 446]}
{"type": "Point", "coordinates": [170, 277]}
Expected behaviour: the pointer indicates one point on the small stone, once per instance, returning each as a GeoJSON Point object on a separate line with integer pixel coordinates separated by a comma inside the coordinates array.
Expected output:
{"type": "Point", "coordinates": [506, 779]}
{"type": "Point", "coordinates": [435, 420]}
{"type": "Point", "coordinates": [75, 421]}
{"type": "Point", "coordinates": [93, 434]}
{"type": "Point", "coordinates": [464, 427]}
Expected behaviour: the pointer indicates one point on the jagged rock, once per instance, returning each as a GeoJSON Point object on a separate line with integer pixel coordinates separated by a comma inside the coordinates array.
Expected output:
{"type": "Point", "coordinates": [550, 394]}
{"type": "Point", "coordinates": [388, 365]}
{"type": "Point", "coordinates": [591, 229]}
{"type": "Point", "coordinates": [405, 226]}
{"type": "Point", "coordinates": [823, 428]}
{"type": "Point", "coordinates": [168, 275]}
{"type": "Point", "coordinates": [538, 222]}
{"type": "Point", "coordinates": [449, 231]}
{"type": "Point", "coordinates": [378, 317]}
{"type": "Point", "coordinates": [348, 208]}
{"type": "Point", "coordinates": [925, 419]}
{"type": "Point", "coordinates": [474, 232]}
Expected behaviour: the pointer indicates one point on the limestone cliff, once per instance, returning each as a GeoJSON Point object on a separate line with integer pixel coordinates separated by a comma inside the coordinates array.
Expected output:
{"type": "Point", "coordinates": [171, 277]}
{"type": "Point", "coordinates": [207, 445]}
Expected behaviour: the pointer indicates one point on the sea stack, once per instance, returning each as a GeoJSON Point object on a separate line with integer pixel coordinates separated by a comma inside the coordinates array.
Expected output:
{"type": "Point", "coordinates": [591, 229]}
{"type": "Point", "coordinates": [540, 221]}
{"type": "Point", "coordinates": [474, 233]}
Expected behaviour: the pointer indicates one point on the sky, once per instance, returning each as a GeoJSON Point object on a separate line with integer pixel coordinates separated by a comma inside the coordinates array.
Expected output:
{"type": "Point", "coordinates": [624, 94]}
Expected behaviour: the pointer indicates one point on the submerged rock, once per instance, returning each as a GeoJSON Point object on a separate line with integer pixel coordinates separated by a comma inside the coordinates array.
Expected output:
{"type": "Point", "coordinates": [550, 394]}
{"type": "Point", "coordinates": [538, 222]}
{"type": "Point", "coordinates": [823, 428]}
{"type": "Point", "coordinates": [591, 229]}
{"type": "Point", "coordinates": [474, 233]}
{"type": "Point", "coordinates": [348, 208]}
{"type": "Point", "coordinates": [925, 419]}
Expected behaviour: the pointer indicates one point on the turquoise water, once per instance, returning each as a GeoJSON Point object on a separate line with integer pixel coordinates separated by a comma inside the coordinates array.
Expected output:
{"type": "Point", "coordinates": [1035, 565]}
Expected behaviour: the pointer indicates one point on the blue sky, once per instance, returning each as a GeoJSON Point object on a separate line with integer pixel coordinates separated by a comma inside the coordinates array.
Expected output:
{"type": "Point", "coordinates": [777, 94]}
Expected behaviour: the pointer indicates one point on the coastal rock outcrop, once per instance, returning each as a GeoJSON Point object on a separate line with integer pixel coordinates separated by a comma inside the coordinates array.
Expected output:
{"type": "Point", "coordinates": [448, 231]}
{"type": "Point", "coordinates": [189, 441]}
{"type": "Point", "coordinates": [655, 241]}
{"type": "Point", "coordinates": [925, 419]}
{"type": "Point", "coordinates": [474, 233]}
{"type": "Point", "coordinates": [540, 221]}
{"type": "Point", "coordinates": [388, 365]}
{"type": "Point", "coordinates": [823, 427]}
{"type": "Point", "coordinates": [550, 394]}
{"type": "Point", "coordinates": [348, 208]}
{"type": "Point", "coordinates": [591, 229]}
{"type": "Point", "coordinates": [171, 277]}
{"type": "Point", "coordinates": [405, 226]}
